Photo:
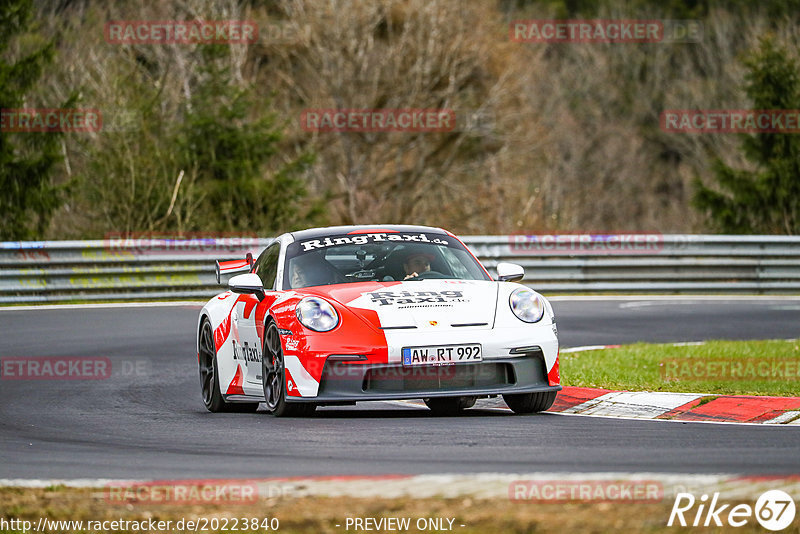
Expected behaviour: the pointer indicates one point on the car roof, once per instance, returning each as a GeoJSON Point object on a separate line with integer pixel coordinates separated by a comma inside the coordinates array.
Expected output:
{"type": "Point", "coordinates": [313, 233]}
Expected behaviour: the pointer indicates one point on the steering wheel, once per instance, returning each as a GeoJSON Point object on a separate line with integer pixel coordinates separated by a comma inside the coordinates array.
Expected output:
{"type": "Point", "coordinates": [427, 275]}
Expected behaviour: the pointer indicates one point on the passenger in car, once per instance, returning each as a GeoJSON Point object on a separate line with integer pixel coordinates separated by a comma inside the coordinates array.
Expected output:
{"type": "Point", "coordinates": [313, 270]}
{"type": "Point", "coordinates": [299, 275]}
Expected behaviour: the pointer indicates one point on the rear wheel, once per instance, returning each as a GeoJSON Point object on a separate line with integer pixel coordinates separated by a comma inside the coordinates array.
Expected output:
{"type": "Point", "coordinates": [273, 378]}
{"type": "Point", "coordinates": [449, 405]}
{"type": "Point", "coordinates": [209, 376]}
{"type": "Point", "coordinates": [530, 402]}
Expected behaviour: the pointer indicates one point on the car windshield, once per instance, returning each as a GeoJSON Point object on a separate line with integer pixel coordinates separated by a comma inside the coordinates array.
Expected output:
{"type": "Point", "coordinates": [379, 256]}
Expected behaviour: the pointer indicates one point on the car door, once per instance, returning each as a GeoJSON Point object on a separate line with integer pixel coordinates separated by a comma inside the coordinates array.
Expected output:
{"type": "Point", "coordinates": [249, 346]}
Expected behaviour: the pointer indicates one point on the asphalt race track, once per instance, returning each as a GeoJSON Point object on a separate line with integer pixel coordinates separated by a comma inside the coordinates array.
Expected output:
{"type": "Point", "coordinates": [147, 420]}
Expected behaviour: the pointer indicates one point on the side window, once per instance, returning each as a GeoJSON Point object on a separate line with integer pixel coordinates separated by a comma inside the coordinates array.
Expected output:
{"type": "Point", "coordinates": [266, 266]}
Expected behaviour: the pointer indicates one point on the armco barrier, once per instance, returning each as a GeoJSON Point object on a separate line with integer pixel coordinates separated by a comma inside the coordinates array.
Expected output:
{"type": "Point", "coordinates": [648, 263]}
{"type": "Point", "coordinates": [59, 271]}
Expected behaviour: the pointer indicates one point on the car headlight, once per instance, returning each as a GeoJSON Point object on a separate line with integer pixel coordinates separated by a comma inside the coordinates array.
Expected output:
{"type": "Point", "coordinates": [526, 305]}
{"type": "Point", "coordinates": [317, 314]}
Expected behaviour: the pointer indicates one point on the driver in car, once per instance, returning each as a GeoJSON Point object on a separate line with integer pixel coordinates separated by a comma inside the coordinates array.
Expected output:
{"type": "Point", "coordinates": [417, 263]}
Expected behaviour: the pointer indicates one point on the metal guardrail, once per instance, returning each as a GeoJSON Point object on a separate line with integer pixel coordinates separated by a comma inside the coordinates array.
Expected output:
{"type": "Point", "coordinates": [116, 269]}
{"type": "Point", "coordinates": [649, 263]}
{"type": "Point", "coordinates": [63, 271]}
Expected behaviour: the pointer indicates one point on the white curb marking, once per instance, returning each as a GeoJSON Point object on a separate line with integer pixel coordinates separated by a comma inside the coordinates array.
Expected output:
{"type": "Point", "coordinates": [783, 418]}
{"type": "Point", "coordinates": [637, 405]}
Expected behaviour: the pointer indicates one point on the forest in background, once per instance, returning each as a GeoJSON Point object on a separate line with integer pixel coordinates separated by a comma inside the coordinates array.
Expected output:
{"type": "Point", "coordinates": [549, 137]}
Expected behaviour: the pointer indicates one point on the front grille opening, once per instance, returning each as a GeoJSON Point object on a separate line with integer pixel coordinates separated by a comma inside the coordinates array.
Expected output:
{"type": "Point", "coordinates": [438, 378]}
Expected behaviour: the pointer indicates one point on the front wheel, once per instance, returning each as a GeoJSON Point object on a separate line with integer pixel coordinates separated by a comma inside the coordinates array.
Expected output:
{"type": "Point", "coordinates": [449, 405]}
{"type": "Point", "coordinates": [530, 402]}
{"type": "Point", "coordinates": [273, 378]}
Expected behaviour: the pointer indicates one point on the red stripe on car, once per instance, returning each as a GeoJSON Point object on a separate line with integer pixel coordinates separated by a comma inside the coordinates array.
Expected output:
{"type": "Point", "coordinates": [235, 388]}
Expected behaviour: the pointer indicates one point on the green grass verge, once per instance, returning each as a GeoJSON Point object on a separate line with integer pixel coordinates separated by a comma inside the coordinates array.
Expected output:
{"type": "Point", "coordinates": [717, 367]}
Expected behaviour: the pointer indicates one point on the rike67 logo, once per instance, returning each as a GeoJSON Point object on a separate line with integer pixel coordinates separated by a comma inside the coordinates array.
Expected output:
{"type": "Point", "coordinates": [774, 510]}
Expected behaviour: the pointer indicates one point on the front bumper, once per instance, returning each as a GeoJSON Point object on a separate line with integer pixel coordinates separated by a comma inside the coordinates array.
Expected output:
{"type": "Point", "coordinates": [353, 381]}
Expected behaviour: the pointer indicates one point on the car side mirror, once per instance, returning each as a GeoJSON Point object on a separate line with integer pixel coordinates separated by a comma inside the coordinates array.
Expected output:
{"type": "Point", "coordinates": [509, 272]}
{"type": "Point", "coordinates": [247, 284]}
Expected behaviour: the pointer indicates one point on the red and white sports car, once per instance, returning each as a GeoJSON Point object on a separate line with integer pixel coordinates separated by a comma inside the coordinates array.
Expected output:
{"type": "Point", "coordinates": [332, 316]}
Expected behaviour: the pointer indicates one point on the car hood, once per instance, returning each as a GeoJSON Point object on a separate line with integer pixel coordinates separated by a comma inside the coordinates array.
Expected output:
{"type": "Point", "coordinates": [423, 303]}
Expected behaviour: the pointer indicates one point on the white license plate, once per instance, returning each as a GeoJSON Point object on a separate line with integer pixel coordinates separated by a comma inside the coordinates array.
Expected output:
{"type": "Point", "coordinates": [441, 354]}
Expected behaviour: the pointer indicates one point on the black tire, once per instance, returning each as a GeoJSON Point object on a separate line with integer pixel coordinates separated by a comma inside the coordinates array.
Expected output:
{"type": "Point", "coordinates": [449, 405]}
{"type": "Point", "coordinates": [273, 378]}
{"type": "Point", "coordinates": [209, 376]}
{"type": "Point", "coordinates": [530, 402]}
